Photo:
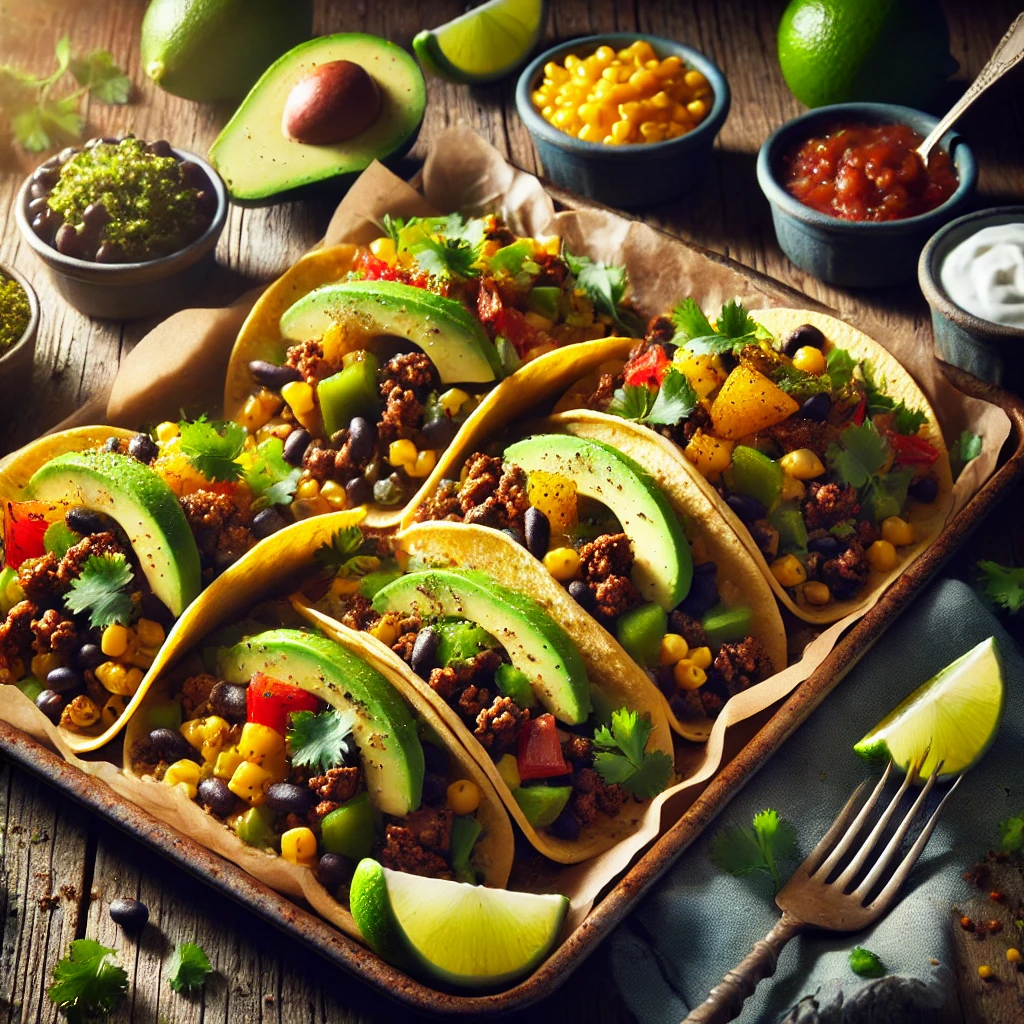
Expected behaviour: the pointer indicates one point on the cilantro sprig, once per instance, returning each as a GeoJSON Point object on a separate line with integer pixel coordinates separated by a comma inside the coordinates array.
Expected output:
{"type": "Point", "coordinates": [318, 740]}
{"type": "Point", "coordinates": [966, 448]}
{"type": "Point", "coordinates": [271, 479]}
{"type": "Point", "coordinates": [605, 286]}
{"type": "Point", "coordinates": [905, 420]}
{"type": "Point", "coordinates": [348, 553]}
{"type": "Point", "coordinates": [86, 985]}
{"type": "Point", "coordinates": [212, 446]}
{"type": "Point", "coordinates": [733, 329]}
{"type": "Point", "coordinates": [1002, 585]}
{"type": "Point", "coordinates": [188, 967]}
{"type": "Point", "coordinates": [858, 458]}
{"type": "Point", "coordinates": [742, 851]}
{"type": "Point", "coordinates": [839, 367]}
{"type": "Point", "coordinates": [100, 590]}
{"type": "Point", "coordinates": [446, 258]}
{"type": "Point", "coordinates": [673, 402]}
{"type": "Point", "coordinates": [622, 758]}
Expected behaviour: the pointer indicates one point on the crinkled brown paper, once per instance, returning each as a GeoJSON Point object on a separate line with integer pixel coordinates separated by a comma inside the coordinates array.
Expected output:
{"type": "Point", "coordinates": [184, 359]}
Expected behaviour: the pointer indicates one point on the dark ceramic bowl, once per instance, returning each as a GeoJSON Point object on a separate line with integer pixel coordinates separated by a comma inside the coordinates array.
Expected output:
{"type": "Point", "coordinates": [128, 291]}
{"type": "Point", "coordinates": [993, 352]}
{"type": "Point", "coordinates": [632, 175]}
{"type": "Point", "coordinates": [16, 361]}
{"type": "Point", "coordinates": [856, 253]}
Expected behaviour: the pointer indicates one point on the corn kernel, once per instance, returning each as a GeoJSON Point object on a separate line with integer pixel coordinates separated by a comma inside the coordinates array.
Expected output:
{"type": "Point", "coordinates": [590, 133]}
{"type": "Point", "coordinates": [697, 109]}
{"type": "Point", "coordinates": [881, 555]}
{"type": "Point", "coordinates": [803, 464]}
{"type": "Point", "coordinates": [1013, 955]}
{"type": "Point", "coordinates": [694, 79]}
{"type": "Point", "coordinates": [254, 414]}
{"type": "Point", "coordinates": [463, 796]}
{"type": "Point", "coordinates": [114, 641]}
{"type": "Point", "coordinates": [788, 571]}
{"type": "Point", "coordinates": [112, 710]}
{"type": "Point", "coordinates": [150, 633]}
{"type": "Point", "coordinates": [652, 131]}
{"type": "Point", "coordinates": [249, 782]}
{"type": "Point", "coordinates": [299, 396]}
{"type": "Point", "coordinates": [43, 664]}
{"type": "Point", "coordinates": [508, 769]}
{"type": "Point", "coordinates": [984, 972]}
{"type": "Point", "coordinates": [423, 465]}
{"type": "Point", "coordinates": [622, 131]}
{"type": "Point", "coordinates": [277, 767]}
{"type": "Point", "coordinates": [80, 712]}
{"type": "Point", "coordinates": [673, 648]}
{"type": "Point", "coordinates": [687, 676]}
{"type": "Point", "coordinates": [114, 676]}
{"type": "Point", "coordinates": [305, 508]}
{"type": "Point", "coordinates": [810, 360]}
{"type": "Point", "coordinates": [298, 846]}
{"type": "Point", "coordinates": [452, 400]}
{"type": "Point", "coordinates": [385, 631]}
{"type": "Point", "coordinates": [701, 657]}
{"type": "Point", "coordinates": [167, 431]}
{"type": "Point", "coordinates": [334, 494]}
{"type": "Point", "coordinates": [562, 563]}
{"type": "Point", "coordinates": [182, 771]}
{"type": "Point", "coordinates": [226, 762]}
{"type": "Point", "coordinates": [383, 249]}
{"type": "Point", "coordinates": [816, 593]}
{"type": "Point", "coordinates": [259, 741]}
{"type": "Point", "coordinates": [402, 452]}
{"type": "Point", "coordinates": [792, 489]}
{"type": "Point", "coordinates": [897, 531]}
{"type": "Point", "coordinates": [308, 488]}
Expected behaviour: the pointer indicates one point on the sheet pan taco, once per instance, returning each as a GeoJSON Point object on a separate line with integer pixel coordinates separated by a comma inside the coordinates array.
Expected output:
{"type": "Point", "coordinates": [656, 567]}
{"type": "Point", "coordinates": [370, 364]}
{"type": "Point", "coordinates": [574, 747]}
{"type": "Point", "coordinates": [813, 442]}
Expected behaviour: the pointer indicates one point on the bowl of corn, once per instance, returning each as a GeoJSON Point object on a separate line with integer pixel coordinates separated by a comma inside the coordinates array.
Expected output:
{"type": "Point", "coordinates": [626, 119]}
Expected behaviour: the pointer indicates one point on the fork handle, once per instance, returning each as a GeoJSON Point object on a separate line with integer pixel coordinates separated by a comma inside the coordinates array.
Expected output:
{"type": "Point", "coordinates": [726, 999]}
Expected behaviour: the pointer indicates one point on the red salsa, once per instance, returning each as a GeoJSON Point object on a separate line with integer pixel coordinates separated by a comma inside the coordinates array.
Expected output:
{"type": "Point", "coordinates": [868, 172]}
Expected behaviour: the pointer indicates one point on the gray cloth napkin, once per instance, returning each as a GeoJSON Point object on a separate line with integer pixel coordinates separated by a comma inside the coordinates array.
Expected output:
{"type": "Point", "coordinates": [699, 922]}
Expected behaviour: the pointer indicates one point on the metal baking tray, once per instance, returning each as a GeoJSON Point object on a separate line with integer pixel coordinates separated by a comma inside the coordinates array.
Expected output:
{"type": "Point", "coordinates": [749, 745]}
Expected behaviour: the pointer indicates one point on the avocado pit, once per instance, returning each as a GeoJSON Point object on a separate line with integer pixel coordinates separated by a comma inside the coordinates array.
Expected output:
{"type": "Point", "coordinates": [332, 103]}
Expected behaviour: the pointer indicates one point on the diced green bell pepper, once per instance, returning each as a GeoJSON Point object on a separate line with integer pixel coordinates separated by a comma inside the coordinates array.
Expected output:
{"type": "Point", "coordinates": [348, 830]}
{"type": "Point", "coordinates": [543, 300]}
{"type": "Point", "coordinates": [461, 640]}
{"type": "Point", "coordinates": [789, 521]}
{"type": "Point", "coordinates": [465, 832]}
{"type": "Point", "coordinates": [255, 828]}
{"type": "Point", "coordinates": [30, 686]}
{"type": "Point", "coordinates": [349, 392]}
{"type": "Point", "coordinates": [7, 577]}
{"type": "Point", "coordinates": [754, 474]}
{"type": "Point", "coordinates": [727, 625]}
{"type": "Point", "coordinates": [165, 715]}
{"type": "Point", "coordinates": [640, 631]}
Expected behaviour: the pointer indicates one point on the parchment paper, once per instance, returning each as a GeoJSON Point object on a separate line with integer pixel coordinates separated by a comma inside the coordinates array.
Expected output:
{"type": "Point", "coordinates": [463, 172]}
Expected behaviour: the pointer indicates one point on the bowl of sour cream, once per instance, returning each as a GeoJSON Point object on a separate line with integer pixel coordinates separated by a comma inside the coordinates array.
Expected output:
{"type": "Point", "coordinates": [972, 274]}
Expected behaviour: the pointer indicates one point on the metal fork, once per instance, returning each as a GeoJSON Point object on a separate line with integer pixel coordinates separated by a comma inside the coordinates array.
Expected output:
{"type": "Point", "coordinates": [810, 900]}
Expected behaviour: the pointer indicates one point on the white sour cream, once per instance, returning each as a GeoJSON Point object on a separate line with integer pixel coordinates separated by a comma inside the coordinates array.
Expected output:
{"type": "Point", "coordinates": [984, 274]}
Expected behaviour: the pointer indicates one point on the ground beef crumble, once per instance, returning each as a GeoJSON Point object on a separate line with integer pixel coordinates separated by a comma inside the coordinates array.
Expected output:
{"type": "Point", "coordinates": [358, 613]}
{"type": "Point", "coordinates": [401, 852]}
{"type": "Point", "coordinates": [195, 692]}
{"type": "Point", "coordinates": [16, 633]}
{"type": "Point", "coordinates": [52, 632]}
{"type": "Point", "coordinates": [411, 371]}
{"type": "Point", "coordinates": [308, 358]}
{"type": "Point", "coordinates": [605, 564]}
{"type": "Point", "coordinates": [221, 527]}
{"type": "Point", "coordinates": [591, 794]}
{"type": "Point", "coordinates": [829, 504]}
{"type": "Point", "coordinates": [847, 572]}
{"type": "Point", "coordinates": [689, 628]}
{"type": "Point", "coordinates": [402, 415]}
{"type": "Point", "coordinates": [431, 827]}
{"type": "Point", "coordinates": [498, 726]}
{"type": "Point", "coordinates": [738, 666]}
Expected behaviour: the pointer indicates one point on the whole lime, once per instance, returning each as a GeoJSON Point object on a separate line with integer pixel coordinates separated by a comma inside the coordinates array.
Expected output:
{"type": "Point", "coordinates": [890, 51]}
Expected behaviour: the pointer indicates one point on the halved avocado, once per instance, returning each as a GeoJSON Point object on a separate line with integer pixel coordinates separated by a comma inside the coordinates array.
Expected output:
{"type": "Point", "coordinates": [663, 566]}
{"type": "Point", "coordinates": [142, 504]}
{"type": "Point", "coordinates": [444, 329]}
{"type": "Point", "coordinates": [385, 730]}
{"type": "Point", "coordinates": [256, 159]}
{"type": "Point", "coordinates": [535, 643]}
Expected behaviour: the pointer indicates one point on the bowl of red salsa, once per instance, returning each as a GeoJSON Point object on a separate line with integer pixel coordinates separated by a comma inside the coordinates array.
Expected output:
{"type": "Point", "coordinates": [852, 202]}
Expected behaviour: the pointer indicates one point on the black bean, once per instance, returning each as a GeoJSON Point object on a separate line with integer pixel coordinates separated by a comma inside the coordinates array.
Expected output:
{"type": "Point", "coordinates": [95, 215]}
{"type": "Point", "coordinates": [230, 701]}
{"type": "Point", "coordinates": [46, 176]}
{"type": "Point", "coordinates": [46, 225]}
{"type": "Point", "coordinates": [424, 652]}
{"type": "Point", "coordinates": [172, 746]}
{"type": "Point", "coordinates": [287, 798]}
{"type": "Point", "coordinates": [362, 439]}
{"type": "Point", "coordinates": [514, 534]}
{"type": "Point", "coordinates": [89, 656]}
{"type": "Point", "coordinates": [272, 376]}
{"type": "Point", "coordinates": [295, 445]}
{"type": "Point", "coordinates": [63, 679]}
{"type": "Point", "coordinates": [333, 871]}
{"type": "Point", "coordinates": [214, 795]}
{"type": "Point", "coordinates": [435, 789]}
{"type": "Point", "coordinates": [160, 148]}
{"type": "Point", "coordinates": [440, 433]}
{"type": "Point", "coordinates": [359, 491]}
{"type": "Point", "coordinates": [143, 448]}
{"type": "Point", "coordinates": [70, 243]}
{"type": "Point", "coordinates": [37, 206]}
{"type": "Point", "coordinates": [705, 569]}
{"type": "Point", "coordinates": [435, 758]}
{"type": "Point", "coordinates": [538, 532]}
{"type": "Point", "coordinates": [130, 914]}
{"type": "Point", "coordinates": [192, 175]}
{"type": "Point", "coordinates": [827, 545]}
{"type": "Point", "coordinates": [748, 509]}
{"type": "Point", "coordinates": [581, 594]}
{"type": "Point", "coordinates": [85, 521]}
{"type": "Point", "coordinates": [816, 408]}
{"type": "Point", "coordinates": [109, 252]}
{"type": "Point", "coordinates": [112, 444]}
{"type": "Point", "coordinates": [37, 190]}
{"type": "Point", "coordinates": [805, 334]}
{"type": "Point", "coordinates": [50, 703]}
{"type": "Point", "coordinates": [66, 154]}
{"type": "Point", "coordinates": [565, 826]}
{"type": "Point", "coordinates": [266, 522]}
{"type": "Point", "coordinates": [703, 595]}
{"type": "Point", "coordinates": [924, 488]}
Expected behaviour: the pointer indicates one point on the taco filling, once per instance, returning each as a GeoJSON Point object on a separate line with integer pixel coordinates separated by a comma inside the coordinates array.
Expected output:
{"type": "Point", "coordinates": [385, 366]}
{"type": "Point", "coordinates": [812, 449]}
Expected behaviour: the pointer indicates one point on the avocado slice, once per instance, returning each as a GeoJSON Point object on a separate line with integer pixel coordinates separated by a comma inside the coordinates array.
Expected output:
{"type": "Point", "coordinates": [385, 730]}
{"type": "Point", "coordinates": [444, 329]}
{"type": "Point", "coordinates": [256, 159]}
{"type": "Point", "coordinates": [663, 567]}
{"type": "Point", "coordinates": [142, 504]}
{"type": "Point", "coordinates": [535, 643]}
{"type": "Point", "coordinates": [542, 804]}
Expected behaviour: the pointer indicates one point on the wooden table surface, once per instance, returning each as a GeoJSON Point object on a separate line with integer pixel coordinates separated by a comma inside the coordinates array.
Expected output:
{"type": "Point", "coordinates": [50, 848]}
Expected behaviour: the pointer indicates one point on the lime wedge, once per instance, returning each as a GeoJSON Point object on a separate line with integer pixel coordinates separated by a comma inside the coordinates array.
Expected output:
{"type": "Point", "coordinates": [460, 934]}
{"type": "Point", "coordinates": [485, 43]}
{"type": "Point", "coordinates": [953, 717]}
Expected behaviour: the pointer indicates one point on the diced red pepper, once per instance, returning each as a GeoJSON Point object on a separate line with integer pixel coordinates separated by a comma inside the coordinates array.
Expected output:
{"type": "Point", "coordinates": [512, 325]}
{"type": "Point", "coordinates": [860, 411]}
{"type": "Point", "coordinates": [489, 303]}
{"type": "Point", "coordinates": [374, 269]}
{"type": "Point", "coordinates": [648, 368]}
{"type": "Point", "coordinates": [25, 523]}
{"type": "Point", "coordinates": [540, 752]}
{"type": "Point", "coordinates": [270, 702]}
{"type": "Point", "coordinates": [912, 451]}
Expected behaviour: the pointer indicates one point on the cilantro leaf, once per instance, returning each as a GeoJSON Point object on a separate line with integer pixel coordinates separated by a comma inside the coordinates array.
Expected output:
{"type": "Point", "coordinates": [886, 494]}
{"type": "Point", "coordinates": [1011, 833]}
{"type": "Point", "coordinates": [451, 257]}
{"type": "Point", "coordinates": [212, 447]}
{"type": "Point", "coordinates": [839, 365]}
{"type": "Point", "coordinates": [906, 420]}
{"type": "Point", "coordinates": [631, 402]}
{"type": "Point", "coordinates": [85, 985]}
{"type": "Point", "coordinates": [603, 284]}
{"type": "Point", "coordinates": [965, 448]}
{"type": "Point", "coordinates": [188, 967]}
{"type": "Point", "coordinates": [99, 74]}
{"type": "Point", "coordinates": [100, 590]}
{"type": "Point", "coordinates": [859, 453]}
{"type": "Point", "coordinates": [676, 400]}
{"type": "Point", "coordinates": [319, 740]}
{"type": "Point", "coordinates": [734, 321]}
{"type": "Point", "coordinates": [392, 227]}
{"type": "Point", "coordinates": [733, 330]}
{"type": "Point", "coordinates": [29, 131]}
{"type": "Point", "coordinates": [1003, 586]}
{"type": "Point", "coordinates": [800, 384]}
{"type": "Point", "coordinates": [866, 964]}
{"type": "Point", "coordinates": [271, 479]}
{"type": "Point", "coordinates": [622, 758]}
{"type": "Point", "coordinates": [690, 321]}
{"type": "Point", "coordinates": [741, 851]}
{"type": "Point", "coordinates": [60, 538]}
{"type": "Point", "coordinates": [348, 553]}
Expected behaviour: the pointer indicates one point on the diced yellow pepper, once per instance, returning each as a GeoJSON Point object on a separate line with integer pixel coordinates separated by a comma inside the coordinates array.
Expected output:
{"type": "Point", "coordinates": [748, 402]}
{"type": "Point", "coordinates": [182, 771]}
{"type": "Point", "coordinates": [259, 741]}
{"type": "Point", "coordinates": [711, 455]}
{"type": "Point", "coordinates": [249, 783]}
{"type": "Point", "coordinates": [298, 846]}
{"type": "Point", "coordinates": [227, 761]}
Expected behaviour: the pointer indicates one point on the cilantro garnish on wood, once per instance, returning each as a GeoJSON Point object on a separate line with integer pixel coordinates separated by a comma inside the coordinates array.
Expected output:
{"type": "Point", "coordinates": [100, 590]}
{"type": "Point", "coordinates": [1002, 585]}
{"type": "Point", "coordinates": [212, 447]}
{"type": "Point", "coordinates": [319, 740]}
{"type": "Point", "coordinates": [188, 967]}
{"type": "Point", "coordinates": [966, 448]}
{"type": "Point", "coordinates": [742, 851]}
{"type": "Point", "coordinates": [622, 758]}
{"type": "Point", "coordinates": [733, 330]}
{"type": "Point", "coordinates": [86, 986]}
{"type": "Point", "coordinates": [672, 403]}
{"type": "Point", "coordinates": [348, 553]}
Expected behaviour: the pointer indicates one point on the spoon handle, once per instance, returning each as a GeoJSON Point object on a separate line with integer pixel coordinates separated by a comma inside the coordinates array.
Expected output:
{"type": "Point", "coordinates": [1007, 54]}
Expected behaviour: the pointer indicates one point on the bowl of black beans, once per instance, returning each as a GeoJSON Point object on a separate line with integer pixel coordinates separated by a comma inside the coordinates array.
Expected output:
{"type": "Point", "coordinates": [127, 228]}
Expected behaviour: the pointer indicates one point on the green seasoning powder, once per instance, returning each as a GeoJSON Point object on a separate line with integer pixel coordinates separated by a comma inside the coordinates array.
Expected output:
{"type": "Point", "coordinates": [15, 312]}
{"type": "Point", "coordinates": [152, 212]}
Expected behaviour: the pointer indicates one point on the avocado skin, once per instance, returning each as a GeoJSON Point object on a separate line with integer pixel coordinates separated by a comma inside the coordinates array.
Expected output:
{"type": "Point", "coordinates": [216, 49]}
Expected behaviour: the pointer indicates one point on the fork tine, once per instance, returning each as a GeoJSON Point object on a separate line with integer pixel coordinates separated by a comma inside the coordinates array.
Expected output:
{"type": "Point", "coordinates": [851, 833]}
{"type": "Point", "coordinates": [862, 890]}
{"type": "Point", "coordinates": [882, 900]}
{"type": "Point", "coordinates": [815, 856]}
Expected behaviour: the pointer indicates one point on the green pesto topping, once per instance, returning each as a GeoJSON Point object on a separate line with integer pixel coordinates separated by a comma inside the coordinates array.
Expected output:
{"type": "Point", "coordinates": [15, 312]}
{"type": "Point", "coordinates": [152, 211]}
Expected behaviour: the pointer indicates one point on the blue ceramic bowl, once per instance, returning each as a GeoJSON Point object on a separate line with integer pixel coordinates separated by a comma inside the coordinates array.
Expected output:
{"type": "Point", "coordinates": [856, 253]}
{"type": "Point", "coordinates": [634, 175]}
{"type": "Point", "coordinates": [993, 352]}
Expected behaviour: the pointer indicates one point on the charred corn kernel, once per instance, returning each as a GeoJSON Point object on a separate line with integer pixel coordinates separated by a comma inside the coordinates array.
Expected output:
{"type": "Point", "coordinates": [1013, 955]}
{"type": "Point", "coordinates": [343, 586]}
{"type": "Point", "coordinates": [452, 400]}
{"type": "Point", "coordinates": [249, 782]}
{"type": "Point", "coordinates": [259, 741]}
{"type": "Point", "coordinates": [508, 769]}
{"type": "Point", "coordinates": [383, 249]}
{"type": "Point", "coordinates": [802, 464]}
{"type": "Point", "coordinates": [701, 657]}
{"type": "Point", "coordinates": [334, 494]}
{"type": "Point", "coordinates": [881, 555]}
{"type": "Point", "coordinates": [385, 631]}
{"type": "Point", "coordinates": [687, 676]}
{"type": "Point", "coordinates": [308, 488]}
{"type": "Point", "coordinates": [810, 360]}
{"type": "Point", "coordinates": [226, 762]}
{"type": "Point", "coordinates": [788, 571]}
{"type": "Point", "coordinates": [984, 972]}
{"type": "Point", "coordinates": [114, 641]}
{"type": "Point", "coordinates": [673, 648]}
{"type": "Point", "coordinates": [897, 531]}
{"type": "Point", "coordinates": [298, 846]}
{"type": "Point", "coordinates": [182, 771]}
{"type": "Point", "coordinates": [80, 712]}
{"type": "Point", "coordinates": [402, 452]}
{"type": "Point", "coordinates": [166, 431]}
{"type": "Point", "coordinates": [113, 676]}
{"type": "Point", "coordinates": [562, 563]}
{"type": "Point", "coordinates": [207, 734]}
{"type": "Point", "coordinates": [112, 710]}
{"type": "Point", "coordinates": [299, 396]}
{"type": "Point", "coordinates": [150, 633]}
{"type": "Point", "coordinates": [792, 489]}
{"type": "Point", "coordinates": [43, 664]}
{"type": "Point", "coordinates": [423, 465]}
{"type": "Point", "coordinates": [817, 593]}
{"type": "Point", "coordinates": [463, 796]}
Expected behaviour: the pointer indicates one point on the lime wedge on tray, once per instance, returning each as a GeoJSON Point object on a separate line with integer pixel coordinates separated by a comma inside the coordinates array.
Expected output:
{"type": "Point", "coordinates": [452, 932]}
{"type": "Point", "coordinates": [485, 43]}
{"type": "Point", "coordinates": [954, 716]}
